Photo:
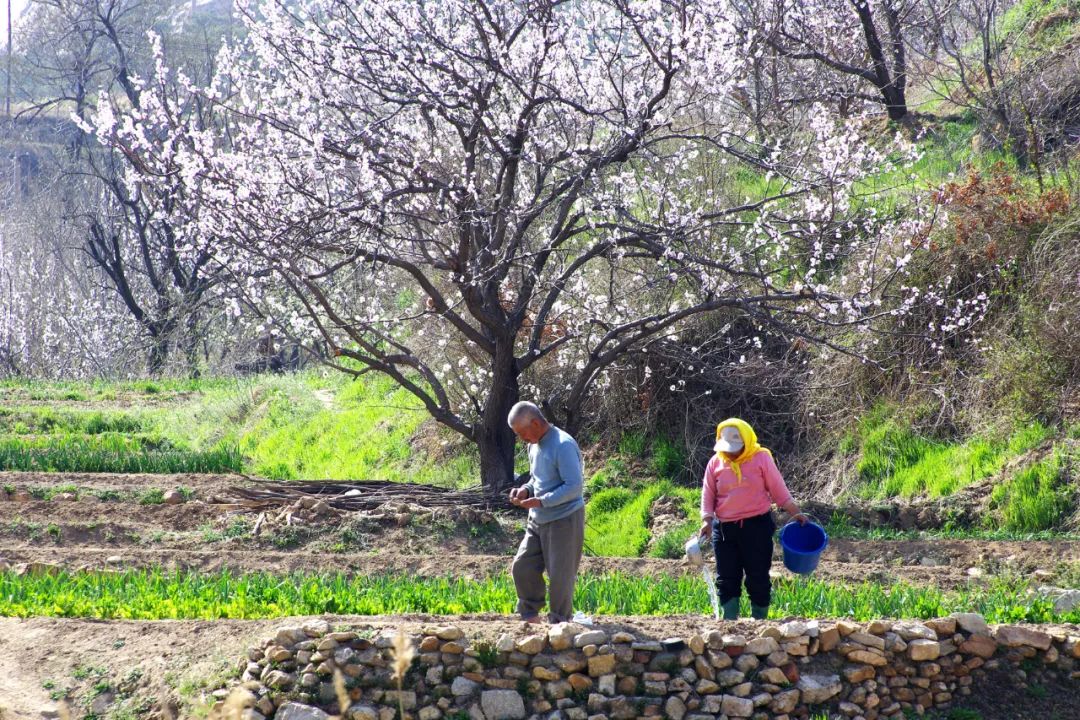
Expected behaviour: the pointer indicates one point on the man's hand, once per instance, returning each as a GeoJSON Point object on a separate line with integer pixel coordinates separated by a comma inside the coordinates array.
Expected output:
{"type": "Point", "coordinates": [519, 494]}
{"type": "Point", "coordinates": [706, 527]}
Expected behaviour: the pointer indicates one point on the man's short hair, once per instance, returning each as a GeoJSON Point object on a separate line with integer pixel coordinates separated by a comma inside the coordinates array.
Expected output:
{"type": "Point", "coordinates": [523, 412]}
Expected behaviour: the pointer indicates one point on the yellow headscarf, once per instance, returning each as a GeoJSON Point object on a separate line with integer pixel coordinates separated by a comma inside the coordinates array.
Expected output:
{"type": "Point", "coordinates": [750, 445]}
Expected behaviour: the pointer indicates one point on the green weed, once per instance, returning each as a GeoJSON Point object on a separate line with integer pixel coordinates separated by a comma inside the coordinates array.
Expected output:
{"type": "Point", "coordinates": [963, 714]}
{"type": "Point", "coordinates": [668, 458]}
{"type": "Point", "coordinates": [633, 444]}
{"type": "Point", "coordinates": [161, 595]}
{"type": "Point", "coordinates": [617, 520]}
{"type": "Point", "coordinates": [152, 496]}
{"type": "Point", "coordinates": [1037, 497]}
{"type": "Point", "coordinates": [112, 453]}
{"type": "Point", "coordinates": [285, 432]}
{"type": "Point", "coordinates": [897, 461]}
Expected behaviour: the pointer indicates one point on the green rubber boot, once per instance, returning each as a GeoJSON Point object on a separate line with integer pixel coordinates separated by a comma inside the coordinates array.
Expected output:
{"type": "Point", "coordinates": [731, 609]}
{"type": "Point", "coordinates": [759, 612]}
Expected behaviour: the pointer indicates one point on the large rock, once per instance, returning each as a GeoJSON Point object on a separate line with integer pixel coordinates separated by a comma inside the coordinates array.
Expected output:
{"type": "Point", "coordinates": [570, 662]}
{"type": "Point", "coordinates": [773, 676]}
{"type": "Point", "coordinates": [857, 673]}
{"type": "Point", "coordinates": [762, 646]}
{"type": "Point", "coordinates": [1067, 601]}
{"type": "Point", "coordinates": [362, 711]}
{"type": "Point", "coordinates": [784, 702]}
{"type": "Point", "coordinates": [971, 623]}
{"type": "Point", "coordinates": [561, 635]}
{"type": "Point", "coordinates": [1016, 636]}
{"type": "Point", "coordinates": [736, 706]}
{"type": "Point", "coordinates": [463, 687]}
{"type": "Point", "coordinates": [868, 640]}
{"type": "Point", "coordinates": [914, 631]}
{"type": "Point", "coordinates": [675, 708]}
{"type": "Point", "coordinates": [983, 646]}
{"type": "Point", "coordinates": [817, 689]}
{"type": "Point", "coordinates": [919, 650]}
{"type": "Point", "coordinates": [601, 665]}
{"type": "Point", "coordinates": [502, 705]}
{"type": "Point", "coordinates": [449, 632]}
{"type": "Point", "coordinates": [279, 680]}
{"type": "Point", "coordinates": [828, 639]}
{"type": "Point", "coordinates": [531, 645]}
{"type": "Point", "coordinates": [289, 636]}
{"type": "Point", "coordinates": [727, 678]}
{"type": "Point", "coordinates": [405, 698]}
{"type": "Point", "coordinates": [590, 637]}
{"type": "Point", "coordinates": [944, 627]}
{"type": "Point", "coordinates": [793, 629]}
{"type": "Point", "coordinates": [867, 658]}
{"type": "Point", "coordinates": [316, 628]}
{"type": "Point", "coordinates": [299, 711]}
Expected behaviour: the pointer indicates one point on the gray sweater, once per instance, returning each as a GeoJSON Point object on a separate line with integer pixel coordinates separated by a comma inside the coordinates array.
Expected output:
{"type": "Point", "coordinates": [555, 467]}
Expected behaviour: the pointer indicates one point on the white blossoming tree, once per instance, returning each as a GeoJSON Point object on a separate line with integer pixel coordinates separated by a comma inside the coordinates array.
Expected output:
{"type": "Point", "coordinates": [487, 200]}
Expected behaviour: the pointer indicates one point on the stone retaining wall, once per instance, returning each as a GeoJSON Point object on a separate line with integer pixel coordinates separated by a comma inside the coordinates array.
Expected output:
{"type": "Point", "coordinates": [797, 669]}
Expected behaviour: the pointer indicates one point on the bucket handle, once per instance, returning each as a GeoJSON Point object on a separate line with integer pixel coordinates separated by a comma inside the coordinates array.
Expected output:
{"type": "Point", "coordinates": [809, 516]}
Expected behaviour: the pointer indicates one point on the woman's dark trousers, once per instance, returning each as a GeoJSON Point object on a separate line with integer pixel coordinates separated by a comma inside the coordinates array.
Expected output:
{"type": "Point", "coordinates": [744, 549]}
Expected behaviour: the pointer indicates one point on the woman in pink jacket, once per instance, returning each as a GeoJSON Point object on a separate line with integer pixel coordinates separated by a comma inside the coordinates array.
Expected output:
{"type": "Point", "coordinates": [740, 486]}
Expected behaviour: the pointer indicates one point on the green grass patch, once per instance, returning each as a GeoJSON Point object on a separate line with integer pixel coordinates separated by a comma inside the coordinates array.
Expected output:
{"type": "Point", "coordinates": [310, 425]}
{"type": "Point", "coordinates": [146, 595]}
{"type": "Point", "coordinates": [894, 460]}
{"type": "Point", "coordinates": [1037, 498]}
{"type": "Point", "coordinates": [840, 529]}
{"type": "Point", "coordinates": [52, 421]}
{"type": "Point", "coordinates": [112, 453]}
{"type": "Point", "coordinates": [286, 431]}
{"type": "Point", "coordinates": [616, 520]}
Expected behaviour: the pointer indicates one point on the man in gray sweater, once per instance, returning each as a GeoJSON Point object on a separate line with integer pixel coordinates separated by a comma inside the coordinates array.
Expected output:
{"type": "Point", "coordinates": [555, 531]}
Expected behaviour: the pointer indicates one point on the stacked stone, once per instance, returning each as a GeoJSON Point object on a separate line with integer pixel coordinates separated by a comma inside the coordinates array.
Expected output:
{"type": "Point", "coordinates": [865, 671]}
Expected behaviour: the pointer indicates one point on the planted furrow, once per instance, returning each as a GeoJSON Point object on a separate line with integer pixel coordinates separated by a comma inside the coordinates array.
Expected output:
{"type": "Point", "coordinates": [156, 594]}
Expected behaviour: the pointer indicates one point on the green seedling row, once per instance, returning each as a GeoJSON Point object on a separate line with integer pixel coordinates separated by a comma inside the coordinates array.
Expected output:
{"type": "Point", "coordinates": [156, 594]}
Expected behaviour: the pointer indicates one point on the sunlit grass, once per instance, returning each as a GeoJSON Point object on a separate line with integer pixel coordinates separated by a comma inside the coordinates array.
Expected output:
{"type": "Point", "coordinates": [1036, 498]}
{"type": "Point", "coordinates": [317, 426]}
{"type": "Point", "coordinates": [161, 595]}
{"type": "Point", "coordinates": [112, 453]}
{"type": "Point", "coordinates": [617, 520]}
{"type": "Point", "coordinates": [894, 460]}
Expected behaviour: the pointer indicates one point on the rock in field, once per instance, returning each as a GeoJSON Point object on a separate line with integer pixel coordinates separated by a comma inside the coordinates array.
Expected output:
{"type": "Point", "coordinates": [299, 711]}
{"type": "Point", "coordinates": [502, 705]}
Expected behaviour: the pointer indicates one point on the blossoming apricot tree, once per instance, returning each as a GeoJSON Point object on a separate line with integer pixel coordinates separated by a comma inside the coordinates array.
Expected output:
{"type": "Point", "coordinates": [485, 199]}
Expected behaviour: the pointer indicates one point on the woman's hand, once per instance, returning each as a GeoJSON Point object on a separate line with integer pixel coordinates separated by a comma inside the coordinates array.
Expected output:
{"type": "Point", "coordinates": [706, 527]}
{"type": "Point", "coordinates": [796, 514]}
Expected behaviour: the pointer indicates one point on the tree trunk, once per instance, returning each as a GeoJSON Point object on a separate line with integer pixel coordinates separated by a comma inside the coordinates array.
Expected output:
{"type": "Point", "coordinates": [495, 439]}
{"type": "Point", "coordinates": [159, 353]}
{"type": "Point", "coordinates": [895, 102]}
{"type": "Point", "coordinates": [191, 348]}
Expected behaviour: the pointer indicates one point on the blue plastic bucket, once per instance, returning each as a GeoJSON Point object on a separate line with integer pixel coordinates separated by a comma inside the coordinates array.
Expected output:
{"type": "Point", "coordinates": [802, 545]}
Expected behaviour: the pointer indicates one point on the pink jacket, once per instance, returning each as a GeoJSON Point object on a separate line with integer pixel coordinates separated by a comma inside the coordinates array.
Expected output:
{"type": "Point", "coordinates": [727, 499]}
